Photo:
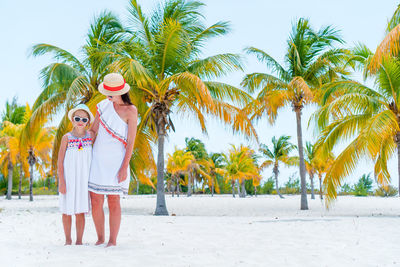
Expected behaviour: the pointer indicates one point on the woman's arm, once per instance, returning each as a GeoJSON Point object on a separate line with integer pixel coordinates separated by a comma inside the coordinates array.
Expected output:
{"type": "Point", "coordinates": [95, 126]}
{"type": "Point", "coordinates": [60, 165]}
{"type": "Point", "coordinates": [132, 127]}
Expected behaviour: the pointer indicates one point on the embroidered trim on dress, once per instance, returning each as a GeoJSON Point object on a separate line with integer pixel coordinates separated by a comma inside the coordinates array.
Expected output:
{"type": "Point", "coordinates": [107, 188]}
{"type": "Point", "coordinates": [110, 130]}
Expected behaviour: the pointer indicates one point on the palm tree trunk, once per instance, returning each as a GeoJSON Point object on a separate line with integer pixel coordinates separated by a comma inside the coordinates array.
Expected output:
{"type": "Point", "coordinates": [177, 186]}
{"type": "Point", "coordinates": [255, 191]}
{"type": "Point", "coordinates": [161, 207]}
{"type": "Point", "coordinates": [320, 186]}
{"type": "Point", "coordinates": [276, 172]}
{"type": "Point", "coordinates": [137, 187]}
{"type": "Point", "coordinates": [303, 204]}
{"type": "Point", "coordinates": [212, 188]}
{"type": "Point", "coordinates": [243, 191]}
{"type": "Point", "coordinates": [312, 186]}
{"type": "Point", "coordinates": [31, 184]}
{"type": "Point", "coordinates": [20, 181]}
{"type": "Point", "coordinates": [189, 193]}
{"type": "Point", "coordinates": [238, 188]}
{"type": "Point", "coordinates": [10, 176]}
{"type": "Point", "coordinates": [233, 187]}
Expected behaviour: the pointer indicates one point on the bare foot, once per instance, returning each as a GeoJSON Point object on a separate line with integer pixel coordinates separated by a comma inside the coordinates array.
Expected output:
{"type": "Point", "coordinates": [68, 242]}
{"type": "Point", "coordinates": [99, 242]}
{"type": "Point", "coordinates": [78, 243]}
{"type": "Point", "coordinates": [111, 244]}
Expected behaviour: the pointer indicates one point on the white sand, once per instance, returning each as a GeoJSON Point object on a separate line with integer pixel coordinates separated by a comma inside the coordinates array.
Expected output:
{"type": "Point", "coordinates": [206, 231]}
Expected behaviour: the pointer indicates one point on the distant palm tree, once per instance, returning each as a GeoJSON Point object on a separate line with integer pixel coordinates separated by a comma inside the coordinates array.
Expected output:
{"type": "Point", "coordinates": [310, 158]}
{"type": "Point", "coordinates": [310, 62]}
{"type": "Point", "coordinates": [13, 112]}
{"type": "Point", "coordinates": [197, 148]}
{"type": "Point", "coordinates": [240, 166]}
{"type": "Point", "coordinates": [162, 61]}
{"type": "Point", "coordinates": [9, 150]}
{"type": "Point", "coordinates": [179, 163]}
{"type": "Point", "coordinates": [279, 153]}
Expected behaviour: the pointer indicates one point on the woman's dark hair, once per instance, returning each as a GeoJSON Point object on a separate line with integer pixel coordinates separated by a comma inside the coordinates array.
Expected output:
{"type": "Point", "coordinates": [127, 100]}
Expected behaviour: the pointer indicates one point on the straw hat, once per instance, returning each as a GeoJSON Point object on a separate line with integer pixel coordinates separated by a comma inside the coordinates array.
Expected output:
{"type": "Point", "coordinates": [81, 107]}
{"type": "Point", "coordinates": [113, 84]}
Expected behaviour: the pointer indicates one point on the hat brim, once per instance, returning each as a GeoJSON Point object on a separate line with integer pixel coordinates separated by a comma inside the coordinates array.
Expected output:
{"type": "Point", "coordinates": [72, 111]}
{"type": "Point", "coordinates": [114, 93]}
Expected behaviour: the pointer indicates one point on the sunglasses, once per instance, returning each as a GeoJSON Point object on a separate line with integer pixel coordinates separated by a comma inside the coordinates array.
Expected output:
{"type": "Point", "coordinates": [78, 119]}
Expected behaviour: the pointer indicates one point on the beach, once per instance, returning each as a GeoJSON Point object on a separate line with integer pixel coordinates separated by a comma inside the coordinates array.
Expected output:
{"type": "Point", "coordinates": [211, 231]}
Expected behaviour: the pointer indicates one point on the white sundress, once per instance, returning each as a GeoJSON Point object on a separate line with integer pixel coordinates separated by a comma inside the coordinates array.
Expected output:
{"type": "Point", "coordinates": [109, 152]}
{"type": "Point", "coordinates": [77, 161]}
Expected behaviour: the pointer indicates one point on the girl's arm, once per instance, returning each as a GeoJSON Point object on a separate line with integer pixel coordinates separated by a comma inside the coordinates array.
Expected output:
{"type": "Point", "coordinates": [60, 165]}
{"type": "Point", "coordinates": [132, 127]}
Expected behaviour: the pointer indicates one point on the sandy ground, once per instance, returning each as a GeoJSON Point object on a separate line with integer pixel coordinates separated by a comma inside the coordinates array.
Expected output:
{"type": "Point", "coordinates": [211, 231]}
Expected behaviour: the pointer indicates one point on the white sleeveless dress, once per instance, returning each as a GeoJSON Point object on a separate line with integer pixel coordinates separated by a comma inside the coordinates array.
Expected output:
{"type": "Point", "coordinates": [77, 161]}
{"type": "Point", "coordinates": [109, 152]}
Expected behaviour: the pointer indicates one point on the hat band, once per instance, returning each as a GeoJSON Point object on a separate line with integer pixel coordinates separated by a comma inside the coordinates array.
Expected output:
{"type": "Point", "coordinates": [114, 88]}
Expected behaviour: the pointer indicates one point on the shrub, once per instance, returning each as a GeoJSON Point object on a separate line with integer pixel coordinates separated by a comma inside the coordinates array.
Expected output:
{"type": "Point", "coordinates": [346, 189]}
{"type": "Point", "coordinates": [363, 186]}
{"type": "Point", "coordinates": [268, 186]}
{"type": "Point", "coordinates": [386, 191]}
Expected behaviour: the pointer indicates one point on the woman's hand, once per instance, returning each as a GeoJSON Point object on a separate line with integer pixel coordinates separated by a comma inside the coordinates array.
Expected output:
{"type": "Point", "coordinates": [122, 174]}
{"type": "Point", "coordinates": [62, 188]}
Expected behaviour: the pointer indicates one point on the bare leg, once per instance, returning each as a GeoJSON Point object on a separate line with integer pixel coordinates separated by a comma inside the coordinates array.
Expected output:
{"type": "Point", "coordinates": [67, 220]}
{"type": "Point", "coordinates": [98, 215]}
{"type": "Point", "coordinates": [80, 226]}
{"type": "Point", "coordinates": [115, 218]}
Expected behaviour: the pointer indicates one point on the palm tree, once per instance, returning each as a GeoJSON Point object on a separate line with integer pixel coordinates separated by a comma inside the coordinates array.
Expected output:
{"type": "Point", "coordinates": [9, 141]}
{"type": "Point", "coordinates": [197, 148]}
{"type": "Point", "coordinates": [310, 158]}
{"type": "Point", "coordinates": [179, 163]}
{"type": "Point", "coordinates": [371, 114]}
{"type": "Point", "coordinates": [310, 62]}
{"type": "Point", "coordinates": [240, 166]}
{"type": "Point", "coordinates": [279, 153]}
{"type": "Point", "coordinates": [162, 61]}
{"type": "Point", "coordinates": [37, 144]}
{"type": "Point", "coordinates": [70, 81]}
{"type": "Point", "coordinates": [13, 112]}
{"type": "Point", "coordinates": [214, 167]}
{"type": "Point", "coordinates": [322, 164]}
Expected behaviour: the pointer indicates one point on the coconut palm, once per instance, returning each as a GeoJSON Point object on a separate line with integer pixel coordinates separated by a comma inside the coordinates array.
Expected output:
{"type": "Point", "coordinates": [70, 81]}
{"type": "Point", "coordinates": [279, 153]}
{"type": "Point", "coordinates": [322, 163]}
{"type": "Point", "coordinates": [214, 167]}
{"type": "Point", "coordinates": [10, 150]}
{"type": "Point", "coordinates": [13, 112]}
{"type": "Point", "coordinates": [179, 163]}
{"type": "Point", "coordinates": [197, 148]}
{"type": "Point", "coordinates": [240, 166]}
{"type": "Point", "coordinates": [310, 61]}
{"type": "Point", "coordinates": [162, 62]}
{"type": "Point", "coordinates": [369, 117]}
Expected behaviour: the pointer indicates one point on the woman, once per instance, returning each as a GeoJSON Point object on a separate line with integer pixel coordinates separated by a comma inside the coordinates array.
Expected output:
{"type": "Point", "coordinates": [115, 126]}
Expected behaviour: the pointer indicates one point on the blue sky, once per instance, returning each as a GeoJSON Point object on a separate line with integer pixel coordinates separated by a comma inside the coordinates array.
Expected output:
{"type": "Point", "coordinates": [263, 24]}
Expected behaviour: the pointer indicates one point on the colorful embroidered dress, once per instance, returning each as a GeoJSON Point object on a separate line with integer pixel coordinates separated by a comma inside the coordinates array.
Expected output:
{"type": "Point", "coordinates": [77, 161]}
{"type": "Point", "coordinates": [109, 152]}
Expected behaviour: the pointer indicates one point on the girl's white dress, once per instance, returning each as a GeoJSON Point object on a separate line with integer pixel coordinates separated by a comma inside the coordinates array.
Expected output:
{"type": "Point", "coordinates": [78, 157]}
{"type": "Point", "coordinates": [108, 152]}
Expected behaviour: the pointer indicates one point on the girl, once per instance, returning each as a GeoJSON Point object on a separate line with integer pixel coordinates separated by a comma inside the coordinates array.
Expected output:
{"type": "Point", "coordinates": [115, 125]}
{"type": "Point", "coordinates": [74, 159]}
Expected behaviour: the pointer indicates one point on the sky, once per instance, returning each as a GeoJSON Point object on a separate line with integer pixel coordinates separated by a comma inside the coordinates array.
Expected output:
{"type": "Point", "coordinates": [263, 24]}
